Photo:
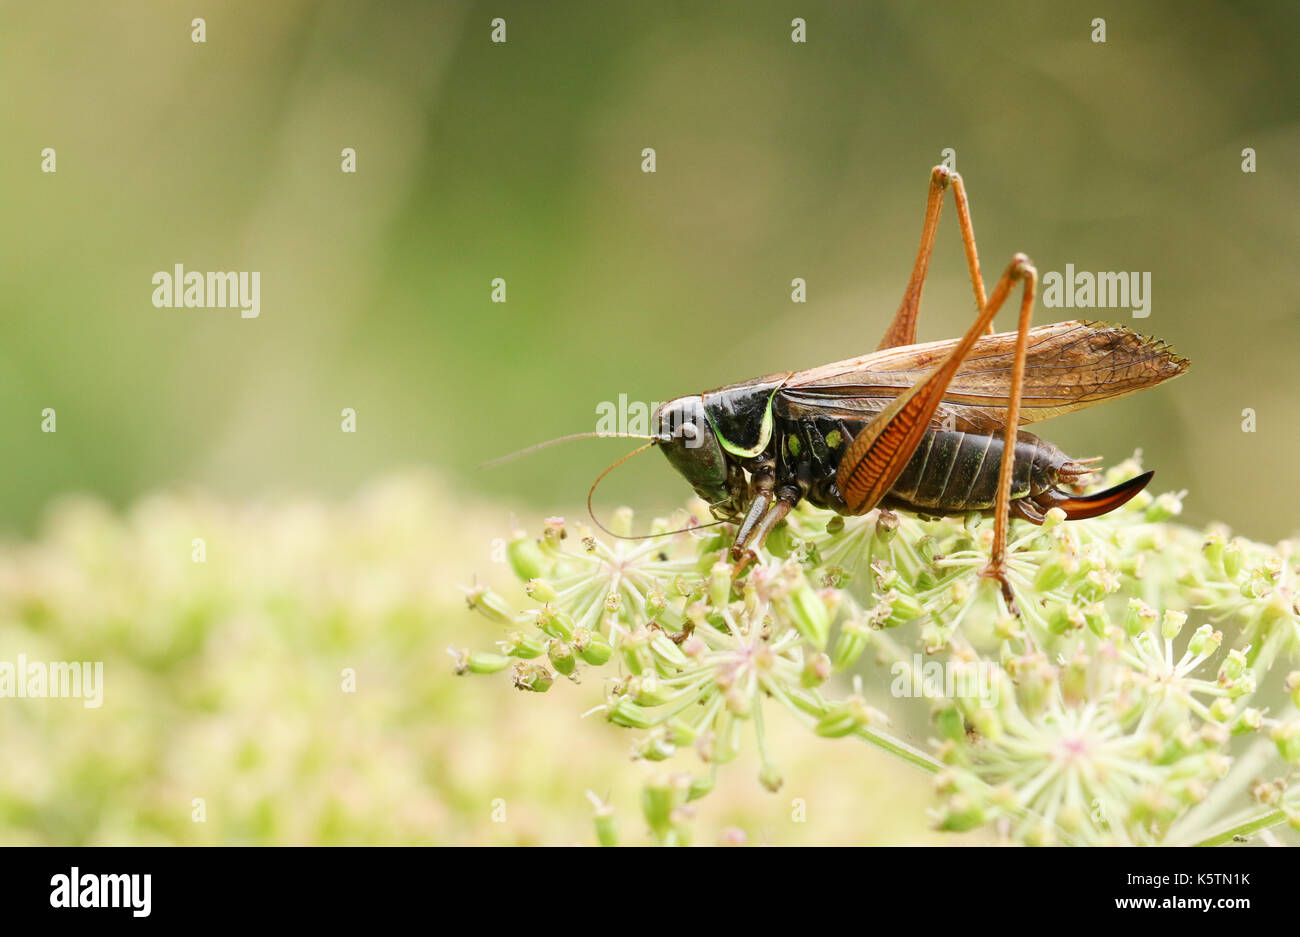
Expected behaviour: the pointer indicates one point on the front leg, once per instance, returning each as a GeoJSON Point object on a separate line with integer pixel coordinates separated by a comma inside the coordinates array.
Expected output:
{"type": "Point", "coordinates": [772, 501]}
{"type": "Point", "coordinates": [743, 552]}
{"type": "Point", "coordinates": [762, 483]}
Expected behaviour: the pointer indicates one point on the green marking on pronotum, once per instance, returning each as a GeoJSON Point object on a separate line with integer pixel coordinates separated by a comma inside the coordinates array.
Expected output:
{"type": "Point", "coordinates": [764, 432]}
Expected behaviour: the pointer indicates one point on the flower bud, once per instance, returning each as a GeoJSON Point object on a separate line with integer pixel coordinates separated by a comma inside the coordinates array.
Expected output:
{"type": "Point", "coordinates": [1007, 628]}
{"type": "Point", "coordinates": [1221, 710]}
{"type": "Point", "coordinates": [592, 646]}
{"type": "Point", "coordinates": [631, 649]}
{"type": "Point", "coordinates": [986, 722]}
{"type": "Point", "coordinates": [950, 723]}
{"type": "Point", "coordinates": [555, 622]}
{"type": "Point", "coordinates": [483, 600]}
{"type": "Point", "coordinates": [720, 584]}
{"type": "Point", "coordinates": [1213, 550]}
{"type": "Point", "coordinates": [561, 657]}
{"type": "Point", "coordinates": [1164, 507]}
{"type": "Point", "coordinates": [850, 644]}
{"type": "Point", "coordinates": [605, 821]}
{"type": "Point", "coordinates": [648, 691]}
{"type": "Point", "coordinates": [1287, 738]}
{"type": "Point", "coordinates": [1140, 617]}
{"type": "Point", "coordinates": [533, 677]}
{"type": "Point", "coordinates": [700, 787]}
{"type": "Point", "coordinates": [1205, 641]}
{"type": "Point", "coordinates": [526, 644]}
{"type": "Point", "coordinates": [540, 590]}
{"type": "Point", "coordinates": [525, 557]}
{"type": "Point", "coordinates": [1096, 585]}
{"type": "Point", "coordinates": [1034, 679]}
{"type": "Point", "coordinates": [628, 714]}
{"type": "Point", "coordinates": [770, 777]}
{"type": "Point", "coordinates": [484, 662]}
{"type": "Point", "coordinates": [680, 732]}
{"type": "Point", "coordinates": [844, 718]}
{"type": "Point", "coordinates": [960, 814]}
{"type": "Point", "coordinates": [669, 658]}
{"type": "Point", "coordinates": [1074, 680]}
{"type": "Point", "coordinates": [1292, 686]}
{"type": "Point", "coordinates": [1053, 518]}
{"type": "Point", "coordinates": [904, 607]}
{"type": "Point", "coordinates": [1234, 665]}
{"type": "Point", "coordinates": [1254, 587]}
{"type": "Point", "coordinates": [1171, 625]}
{"type": "Point", "coordinates": [809, 616]}
{"type": "Point", "coordinates": [1066, 618]}
{"type": "Point", "coordinates": [816, 670]}
{"type": "Point", "coordinates": [1053, 574]}
{"type": "Point", "coordinates": [1133, 565]}
{"type": "Point", "coordinates": [659, 799]}
{"type": "Point", "coordinates": [1249, 721]}
{"type": "Point", "coordinates": [1243, 686]}
{"type": "Point", "coordinates": [551, 534]}
{"type": "Point", "coordinates": [655, 747]}
{"type": "Point", "coordinates": [1232, 558]}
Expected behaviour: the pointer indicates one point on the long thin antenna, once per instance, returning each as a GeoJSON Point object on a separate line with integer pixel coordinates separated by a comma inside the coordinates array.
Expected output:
{"type": "Point", "coordinates": [601, 477]}
{"type": "Point", "coordinates": [502, 460]}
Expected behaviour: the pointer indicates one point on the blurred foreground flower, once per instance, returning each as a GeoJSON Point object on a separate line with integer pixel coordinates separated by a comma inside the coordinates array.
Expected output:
{"type": "Point", "coordinates": [1101, 714]}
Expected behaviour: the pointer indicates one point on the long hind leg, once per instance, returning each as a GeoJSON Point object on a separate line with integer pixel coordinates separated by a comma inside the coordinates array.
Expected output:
{"type": "Point", "coordinates": [880, 451]}
{"type": "Point", "coordinates": [902, 330]}
{"type": "Point", "coordinates": [997, 567]}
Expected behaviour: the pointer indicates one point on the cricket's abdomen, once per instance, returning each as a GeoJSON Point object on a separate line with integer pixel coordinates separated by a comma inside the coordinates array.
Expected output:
{"type": "Point", "coordinates": [951, 472]}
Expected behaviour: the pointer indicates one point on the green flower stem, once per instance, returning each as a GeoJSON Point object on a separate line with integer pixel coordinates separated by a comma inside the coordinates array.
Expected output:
{"type": "Point", "coordinates": [900, 749]}
{"type": "Point", "coordinates": [885, 741]}
{"type": "Point", "coordinates": [1270, 819]}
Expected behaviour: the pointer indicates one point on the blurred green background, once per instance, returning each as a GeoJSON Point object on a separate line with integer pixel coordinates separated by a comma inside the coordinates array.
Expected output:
{"type": "Point", "coordinates": [522, 160]}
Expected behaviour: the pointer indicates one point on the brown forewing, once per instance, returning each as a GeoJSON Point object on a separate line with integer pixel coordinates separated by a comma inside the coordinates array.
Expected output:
{"type": "Point", "coordinates": [1069, 366]}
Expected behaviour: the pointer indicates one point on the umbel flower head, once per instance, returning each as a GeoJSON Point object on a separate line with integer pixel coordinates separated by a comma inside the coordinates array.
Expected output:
{"type": "Point", "coordinates": [1110, 709]}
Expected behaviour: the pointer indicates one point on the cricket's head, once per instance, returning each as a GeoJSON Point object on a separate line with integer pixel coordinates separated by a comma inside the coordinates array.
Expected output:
{"type": "Point", "coordinates": [683, 432]}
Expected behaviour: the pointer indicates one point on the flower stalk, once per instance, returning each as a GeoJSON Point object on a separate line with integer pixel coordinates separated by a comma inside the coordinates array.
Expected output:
{"type": "Point", "coordinates": [1146, 660]}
